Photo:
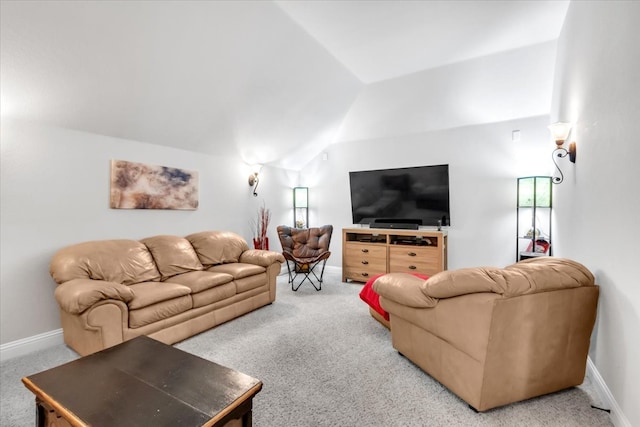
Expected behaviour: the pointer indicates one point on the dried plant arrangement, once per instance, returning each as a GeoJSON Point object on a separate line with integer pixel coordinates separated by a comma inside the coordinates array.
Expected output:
{"type": "Point", "coordinates": [260, 227]}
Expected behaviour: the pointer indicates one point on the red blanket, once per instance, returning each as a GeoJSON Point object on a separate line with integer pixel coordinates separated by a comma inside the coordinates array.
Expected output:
{"type": "Point", "coordinates": [368, 295]}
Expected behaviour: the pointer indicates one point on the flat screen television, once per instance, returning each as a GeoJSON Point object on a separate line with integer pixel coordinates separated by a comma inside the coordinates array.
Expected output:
{"type": "Point", "coordinates": [417, 195]}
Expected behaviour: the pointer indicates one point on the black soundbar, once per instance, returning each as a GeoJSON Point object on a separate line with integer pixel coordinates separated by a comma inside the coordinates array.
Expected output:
{"type": "Point", "coordinates": [396, 225]}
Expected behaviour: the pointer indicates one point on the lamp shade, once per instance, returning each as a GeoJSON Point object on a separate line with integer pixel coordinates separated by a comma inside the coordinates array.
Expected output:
{"type": "Point", "coordinates": [301, 197]}
{"type": "Point", "coordinates": [560, 131]}
{"type": "Point", "coordinates": [534, 191]}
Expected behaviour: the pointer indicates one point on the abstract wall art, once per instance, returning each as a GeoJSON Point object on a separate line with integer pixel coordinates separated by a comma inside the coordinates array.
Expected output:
{"type": "Point", "coordinates": [141, 186]}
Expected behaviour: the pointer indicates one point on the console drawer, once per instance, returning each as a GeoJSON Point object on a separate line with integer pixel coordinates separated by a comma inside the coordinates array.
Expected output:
{"type": "Point", "coordinates": [361, 274]}
{"type": "Point", "coordinates": [409, 259]}
{"type": "Point", "coordinates": [363, 261]}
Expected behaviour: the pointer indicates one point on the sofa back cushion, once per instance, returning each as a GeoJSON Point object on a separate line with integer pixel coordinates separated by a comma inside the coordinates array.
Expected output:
{"type": "Point", "coordinates": [551, 273]}
{"type": "Point", "coordinates": [173, 255]}
{"type": "Point", "coordinates": [120, 261]}
{"type": "Point", "coordinates": [532, 276]}
{"type": "Point", "coordinates": [217, 247]}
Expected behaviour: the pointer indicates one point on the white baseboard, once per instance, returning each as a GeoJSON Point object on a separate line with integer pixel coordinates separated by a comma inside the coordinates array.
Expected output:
{"type": "Point", "coordinates": [30, 344]}
{"type": "Point", "coordinates": [608, 401]}
{"type": "Point", "coordinates": [333, 269]}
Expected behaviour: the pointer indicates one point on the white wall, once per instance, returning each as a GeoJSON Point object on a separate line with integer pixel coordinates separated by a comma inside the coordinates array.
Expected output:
{"type": "Point", "coordinates": [499, 87]}
{"type": "Point", "coordinates": [55, 192]}
{"type": "Point", "coordinates": [483, 161]}
{"type": "Point", "coordinates": [462, 115]}
{"type": "Point", "coordinates": [598, 205]}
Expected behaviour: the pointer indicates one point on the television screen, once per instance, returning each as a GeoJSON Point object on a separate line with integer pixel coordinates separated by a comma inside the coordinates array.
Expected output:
{"type": "Point", "coordinates": [419, 194]}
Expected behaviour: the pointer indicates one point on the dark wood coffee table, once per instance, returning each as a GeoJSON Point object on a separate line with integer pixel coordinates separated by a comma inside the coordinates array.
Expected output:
{"type": "Point", "coordinates": [142, 382]}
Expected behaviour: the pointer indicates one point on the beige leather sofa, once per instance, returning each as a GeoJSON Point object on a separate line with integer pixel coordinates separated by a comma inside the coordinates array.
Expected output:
{"type": "Point", "coordinates": [166, 287]}
{"type": "Point", "coordinates": [495, 336]}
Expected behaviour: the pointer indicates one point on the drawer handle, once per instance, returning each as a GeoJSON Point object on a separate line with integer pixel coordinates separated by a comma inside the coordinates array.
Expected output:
{"type": "Point", "coordinates": [365, 262]}
{"type": "Point", "coordinates": [366, 251]}
{"type": "Point", "coordinates": [412, 267]}
{"type": "Point", "coordinates": [412, 254]}
{"type": "Point", "coordinates": [365, 274]}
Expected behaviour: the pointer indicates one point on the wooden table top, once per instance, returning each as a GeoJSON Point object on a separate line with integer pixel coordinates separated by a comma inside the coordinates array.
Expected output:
{"type": "Point", "coordinates": [143, 382]}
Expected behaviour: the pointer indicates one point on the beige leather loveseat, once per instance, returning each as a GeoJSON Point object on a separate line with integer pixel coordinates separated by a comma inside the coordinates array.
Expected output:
{"type": "Point", "coordinates": [166, 287]}
{"type": "Point", "coordinates": [495, 336]}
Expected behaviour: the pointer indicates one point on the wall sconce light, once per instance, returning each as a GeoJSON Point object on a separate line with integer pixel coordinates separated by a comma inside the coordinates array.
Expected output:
{"type": "Point", "coordinates": [254, 180]}
{"type": "Point", "coordinates": [560, 132]}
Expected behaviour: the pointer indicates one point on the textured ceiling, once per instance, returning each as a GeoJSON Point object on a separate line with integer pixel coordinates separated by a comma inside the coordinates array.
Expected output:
{"type": "Point", "coordinates": [269, 81]}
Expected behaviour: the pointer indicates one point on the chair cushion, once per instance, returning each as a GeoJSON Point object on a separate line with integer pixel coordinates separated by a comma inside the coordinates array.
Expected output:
{"type": "Point", "coordinates": [173, 255]}
{"type": "Point", "coordinates": [305, 243]}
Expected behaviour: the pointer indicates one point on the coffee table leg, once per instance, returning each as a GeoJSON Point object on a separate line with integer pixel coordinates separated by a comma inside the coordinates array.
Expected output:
{"type": "Point", "coordinates": [40, 415]}
{"type": "Point", "coordinates": [247, 419]}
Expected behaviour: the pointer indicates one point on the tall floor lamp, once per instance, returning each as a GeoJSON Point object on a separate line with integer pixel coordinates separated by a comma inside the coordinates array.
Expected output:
{"type": "Point", "coordinates": [301, 207]}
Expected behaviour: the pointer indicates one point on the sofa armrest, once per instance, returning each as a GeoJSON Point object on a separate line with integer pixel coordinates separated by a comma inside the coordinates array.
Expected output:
{"type": "Point", "coordinates": [76, 295]}
{"type": "Point", "coordinates": [404, 289]}
{"type": "Point", "coordinates": [260, 257]}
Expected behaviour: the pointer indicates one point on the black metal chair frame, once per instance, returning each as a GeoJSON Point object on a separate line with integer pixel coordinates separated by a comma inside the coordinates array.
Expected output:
{"type": "Point", "coordinates": [307, 269]}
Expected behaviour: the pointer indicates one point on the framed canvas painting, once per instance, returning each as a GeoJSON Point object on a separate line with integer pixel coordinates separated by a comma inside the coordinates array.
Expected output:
{"type": "Point", "coordinates": [142, 186]}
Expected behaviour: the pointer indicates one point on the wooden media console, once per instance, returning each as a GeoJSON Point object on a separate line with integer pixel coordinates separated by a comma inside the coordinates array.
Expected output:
{"type": "Point", "coordinates": [367, 252]}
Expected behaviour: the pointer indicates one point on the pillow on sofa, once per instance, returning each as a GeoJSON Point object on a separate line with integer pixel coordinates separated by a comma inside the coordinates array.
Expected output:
{"type": "Point", "coordinates": [120, 261]}
{"type": "Point", "coordinates": [217, 247]}
{"type": "Point", "coordinates": [173, 255]}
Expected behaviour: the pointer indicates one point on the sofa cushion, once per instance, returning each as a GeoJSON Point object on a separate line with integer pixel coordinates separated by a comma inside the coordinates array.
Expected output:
{"type": "Point", "coordinates": [251, 282]}
{"type": "Point", "coordinates": [148, 293]}
{"type": "Point", "coordinates": [159, 311]}
{"type": "Point", "coordinates": [173, 255]}
{"type": "Point", "coordinates": [217, 247]}
{"type": "Point", "coordinates": [238, 270]}
{"type": "Point", "coordinates": [199, 281]}
{"type": "Point", "coordinates": [119, 261]}
{"type": "Point", "coordinates": [213, 295]}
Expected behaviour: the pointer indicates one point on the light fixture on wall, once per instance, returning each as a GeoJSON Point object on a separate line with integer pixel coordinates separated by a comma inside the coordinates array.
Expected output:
{"type": "Point", "coordinates": [301, 207]}
{"type": "Point", "coordinates": [254, 180]}
{"type": "Point", "coordinates": [560, 132]}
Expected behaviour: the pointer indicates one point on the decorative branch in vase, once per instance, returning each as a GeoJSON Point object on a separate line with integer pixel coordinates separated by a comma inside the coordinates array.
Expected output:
{"type": "Point", "coordinates": [260, 226]}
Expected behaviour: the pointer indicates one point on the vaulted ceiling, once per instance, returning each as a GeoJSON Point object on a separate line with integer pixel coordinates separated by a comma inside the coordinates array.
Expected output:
{"type": "Point", "coordinates": [269, 81]}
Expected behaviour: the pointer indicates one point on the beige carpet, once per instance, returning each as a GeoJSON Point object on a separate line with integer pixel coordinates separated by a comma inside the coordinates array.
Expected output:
{"type": "Point", "coordinates": [325, 362]}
